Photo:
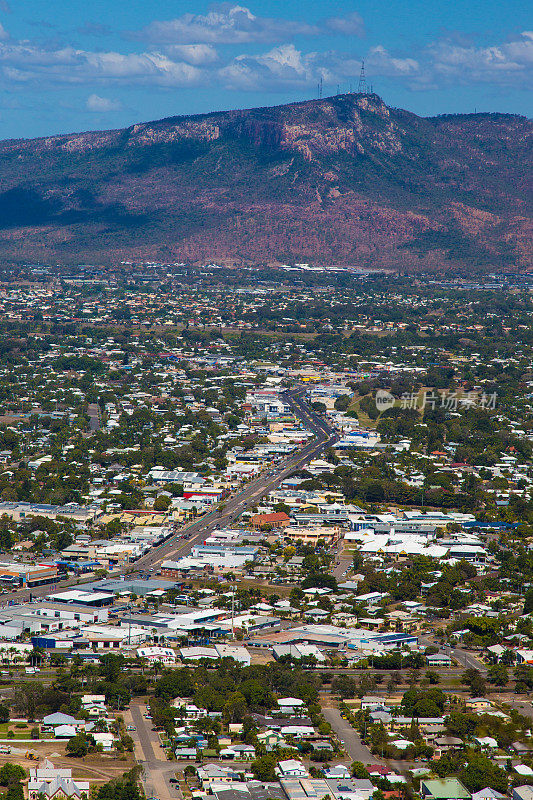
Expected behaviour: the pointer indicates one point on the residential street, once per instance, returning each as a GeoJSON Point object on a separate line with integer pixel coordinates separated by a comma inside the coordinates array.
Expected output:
{"type": "Point", "coordinates": [349, 737]}
{"type": "Point", "coordinates": [151, 756]}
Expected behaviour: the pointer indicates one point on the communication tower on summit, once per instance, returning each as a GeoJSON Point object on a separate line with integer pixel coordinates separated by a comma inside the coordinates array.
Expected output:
{"type": "Point", "coordinates": [361, 89]}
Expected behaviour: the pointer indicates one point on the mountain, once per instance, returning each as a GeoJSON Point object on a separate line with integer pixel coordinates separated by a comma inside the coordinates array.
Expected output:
{"type": "Point", "coordinates": [343, 180]}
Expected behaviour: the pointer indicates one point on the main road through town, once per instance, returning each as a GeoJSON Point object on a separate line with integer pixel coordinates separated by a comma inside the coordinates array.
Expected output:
{"type": "Point", "coordinates": [248, 497]}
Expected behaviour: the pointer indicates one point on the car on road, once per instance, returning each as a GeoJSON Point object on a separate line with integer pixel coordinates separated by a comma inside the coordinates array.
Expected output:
{"type": "Point", "coordinates": [173, 780]}
{"type": "Point", "coordinates": [131, 728]}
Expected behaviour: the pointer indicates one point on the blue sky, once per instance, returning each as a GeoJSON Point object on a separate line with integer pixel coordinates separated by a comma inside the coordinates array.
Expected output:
{"type": "Point", "coordinates": [77, 65]}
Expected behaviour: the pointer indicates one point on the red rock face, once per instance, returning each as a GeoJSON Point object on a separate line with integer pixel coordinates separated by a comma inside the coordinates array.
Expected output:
{"type": "Point", "coordinates": [342, 180]}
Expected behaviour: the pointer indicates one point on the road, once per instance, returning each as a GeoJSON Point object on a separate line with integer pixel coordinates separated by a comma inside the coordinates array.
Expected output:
{"type": "Point", "coordinates": [197, 531]}
{"type": "Point", "coordinates": [93, 410]}
{"type": "Point", "coordinates": [349, 737]}
{"type": "Point", "coordinates": [463, 657]}
{"type": "Point", "coordinates": [466, 659]}
{"type": "Point", "coordinates": [343, 565]}
{"type": "Point", "coordinates": [248, 497]}
{"type": "Point", "coordinates": [151, 756]}
{"type": "Point", "coordinates": [354, 746]}
{"type": "Point", "coordinates": [524, 707]}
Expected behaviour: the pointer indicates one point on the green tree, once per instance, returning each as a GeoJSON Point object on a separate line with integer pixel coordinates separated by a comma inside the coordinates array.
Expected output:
{"type": "Point", "coordinates": [461, 725]}
{"type": "Point", "coordinates": [125, 788]}
{"type": "Point", "coordinates": [11, 773]}
{"type": "Point", "coordinates": [480, 772]}
{"type": "Point", "coordinates": [78, 746]}
{"type": "Point", "coordinates": [528, 601]}
{"type": "Point", "coordinates": [498, 675]}
{"type": "Point", "coordinates": [342, 402]}
{"type": "Point", "coordinates": [235, 708]}
{"type": "Point", "coordinates": [111, 666]}
{"type": "Point", "coordinates": [14, 792]}
{"type": "Point", "coordinates": [473, 679]}
{"type": "Point", "coordinates": [263, 768]}
{"type": "Point", "coordinates": [344, 685]}
{"type": "Point", "coordinates": [162, 503]}
{"type": "Point", "coordinates": [358, 770]}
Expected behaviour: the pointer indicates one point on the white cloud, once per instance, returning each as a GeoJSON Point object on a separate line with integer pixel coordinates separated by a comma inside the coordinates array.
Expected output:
{"type": "Point", "coordinates": [282, 66]}
{"type": "Point", "coordinates": [100, 104]}
{"type": "Point", "coordinates": [196, 54]}
{"type": "Point", "coordinates": [228, 23]}
{"type": "Point", "coordinates": [286, 66]}
{"type": "Point", "coordinates": [24, 62]}
{"type": "Point", "coordinates": [223, 24]}
{"type": "Point", "coordinates": [351, 25]}
{"type": "Point", "coordinates": [380, 62]}
{"type": "Point", "coordinates": [499, 63]}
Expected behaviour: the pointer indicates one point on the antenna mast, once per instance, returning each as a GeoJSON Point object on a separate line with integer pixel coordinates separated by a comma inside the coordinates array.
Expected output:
{"type": "Point", "coordinates": [361, 89]}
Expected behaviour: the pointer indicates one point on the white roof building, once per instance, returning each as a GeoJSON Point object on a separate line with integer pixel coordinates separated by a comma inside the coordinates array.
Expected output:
{"type": "Point", "coordinates": [157, 654]}
{"type": "Point", "coordinates": [239, 654]}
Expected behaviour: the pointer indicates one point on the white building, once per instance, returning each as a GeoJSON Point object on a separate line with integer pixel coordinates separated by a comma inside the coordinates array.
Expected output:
{"type": "Point", "coordinates": [157, 655]}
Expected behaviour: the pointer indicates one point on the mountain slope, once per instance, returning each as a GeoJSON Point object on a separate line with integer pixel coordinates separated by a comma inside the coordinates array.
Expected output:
{"type": "Point", "coordinates": [340, 180]}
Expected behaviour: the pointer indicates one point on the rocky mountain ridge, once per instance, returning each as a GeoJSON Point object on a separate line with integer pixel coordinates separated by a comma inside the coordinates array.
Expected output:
{"type": "Point", "coordinates": [342, 180]}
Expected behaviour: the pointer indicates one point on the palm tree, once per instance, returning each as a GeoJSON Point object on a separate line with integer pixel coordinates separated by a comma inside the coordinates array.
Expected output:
{"type": "Point", "coordinates": [36, 657]}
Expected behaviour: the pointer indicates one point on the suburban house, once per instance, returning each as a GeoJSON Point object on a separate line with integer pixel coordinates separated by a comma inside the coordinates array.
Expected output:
{"type": "Point", "coordinates": [443, 789]}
